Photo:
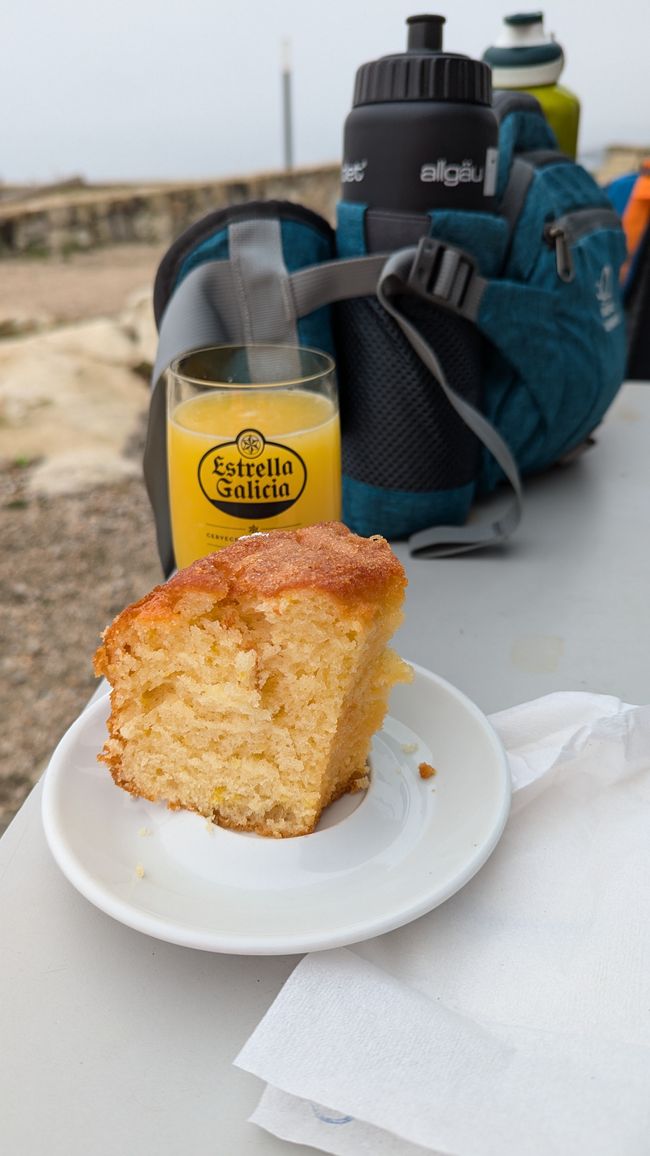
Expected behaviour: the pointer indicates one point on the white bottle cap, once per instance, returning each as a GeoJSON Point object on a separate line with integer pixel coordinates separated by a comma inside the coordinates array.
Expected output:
{"type": "Point", "coordinates": [524, 54]}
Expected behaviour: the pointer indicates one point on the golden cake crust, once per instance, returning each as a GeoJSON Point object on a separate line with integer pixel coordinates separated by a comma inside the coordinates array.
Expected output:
{"type": "Point", "coordinates": [326, 556]}
{"type": "Point", "coordinates": [247, 688]}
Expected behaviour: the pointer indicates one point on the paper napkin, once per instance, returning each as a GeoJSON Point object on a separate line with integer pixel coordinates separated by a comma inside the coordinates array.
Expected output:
{"type": "Point", "coordinates": [514, 1020]}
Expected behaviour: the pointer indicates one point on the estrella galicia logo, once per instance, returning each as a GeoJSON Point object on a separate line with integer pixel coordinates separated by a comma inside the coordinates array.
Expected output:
{"type": "Point", "coordinates": [251, 477]}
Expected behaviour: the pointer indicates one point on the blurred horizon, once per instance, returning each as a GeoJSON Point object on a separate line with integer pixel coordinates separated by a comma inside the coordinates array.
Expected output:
{"type": "Point", "coordinates": [132, 91]}
{"type": "Point", "coordinates": [591, 160]}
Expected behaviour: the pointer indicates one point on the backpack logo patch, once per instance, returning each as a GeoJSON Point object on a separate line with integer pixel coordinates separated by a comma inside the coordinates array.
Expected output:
{"type": "Point", "coordinates": [609, 312]}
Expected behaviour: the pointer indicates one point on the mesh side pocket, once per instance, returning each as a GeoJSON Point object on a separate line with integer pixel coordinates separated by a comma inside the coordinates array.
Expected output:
{"type": "Point", "coordinates": [399, 430]}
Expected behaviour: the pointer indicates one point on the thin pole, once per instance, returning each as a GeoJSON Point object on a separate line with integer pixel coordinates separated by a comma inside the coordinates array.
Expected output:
{"type": "Point", "coordinates": [287, 120]}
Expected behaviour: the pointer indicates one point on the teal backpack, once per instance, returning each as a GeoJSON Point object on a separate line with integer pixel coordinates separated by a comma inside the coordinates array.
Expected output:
{"type": "Point", "coordinates": [477, 347]}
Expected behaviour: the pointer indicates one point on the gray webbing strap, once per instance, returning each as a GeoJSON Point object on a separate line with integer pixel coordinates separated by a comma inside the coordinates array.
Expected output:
{"type": "Point", "coordinates": [260, 282]}
{"type": "Point", "coordinates": [454, 285]}
{"type": "Point", "coordinates": [155, 472]}
{"type": "Point", "coordinates": [506, 101]}
{"type": "Point", "coordinates": [442, 541]}
{"type": "Point", "coordinates": [241, 301]}
{"type": "Point", "coordinates": [514, 194]}
{"type": "Point", "coordinates": [392, 230]}
{"type": "Point", "coordinates": [204, 309]}
{"type": "Point", "coordinates": [319, 285]}
{"type": "Point", "coordinates": [246, 299]}
{"type": "Point", "coordinates": [198, 314]}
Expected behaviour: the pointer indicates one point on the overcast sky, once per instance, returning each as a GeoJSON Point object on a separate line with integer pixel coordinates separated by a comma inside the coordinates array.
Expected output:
{"type": "Point", "coordinates": [128, 89]}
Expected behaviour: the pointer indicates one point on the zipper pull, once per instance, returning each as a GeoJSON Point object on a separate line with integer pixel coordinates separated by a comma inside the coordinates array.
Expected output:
{"type": "Point", "coordinates": [556, 238]}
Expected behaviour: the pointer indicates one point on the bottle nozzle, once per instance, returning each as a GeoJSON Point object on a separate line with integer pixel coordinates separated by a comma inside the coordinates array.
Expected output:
{"type": "Point", "coordinates": [424, 33]}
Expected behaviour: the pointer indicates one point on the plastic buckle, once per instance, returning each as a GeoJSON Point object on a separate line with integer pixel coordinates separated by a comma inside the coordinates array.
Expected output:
{"type": "Point", "coordinates": [440, 273]}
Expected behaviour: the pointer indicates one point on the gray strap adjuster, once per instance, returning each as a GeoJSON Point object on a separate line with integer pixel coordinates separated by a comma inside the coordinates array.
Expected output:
{"type": "Point", "coordinates": [441, 274]}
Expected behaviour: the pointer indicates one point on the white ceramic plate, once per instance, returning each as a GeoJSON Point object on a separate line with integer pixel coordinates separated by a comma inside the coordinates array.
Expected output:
{"type": "Point", "coordinates": [377, 861]}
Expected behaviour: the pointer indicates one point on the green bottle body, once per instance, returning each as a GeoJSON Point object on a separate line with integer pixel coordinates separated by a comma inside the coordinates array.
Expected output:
{"type": "Point", "coordinates": [562, 111]}
{"type": "Point", "coordinates": [526, 58]}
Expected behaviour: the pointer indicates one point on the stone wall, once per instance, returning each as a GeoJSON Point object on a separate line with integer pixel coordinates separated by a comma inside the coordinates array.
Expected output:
{"type": "Point", "coordinates": [60, 220]}
{"type": "Point", "coordinates": [57, 220]}
{"type": "Point", "coordinates": [620, 160]}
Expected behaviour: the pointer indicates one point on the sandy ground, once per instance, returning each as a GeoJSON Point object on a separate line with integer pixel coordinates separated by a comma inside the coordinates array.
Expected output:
{"type": "Point", "coordinates": [85, 285]}
{"type": "Point", "coordinates": [68, 563]}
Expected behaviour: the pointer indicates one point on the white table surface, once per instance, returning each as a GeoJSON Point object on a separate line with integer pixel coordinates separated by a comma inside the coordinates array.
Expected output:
{"type": "Point", "coordinates": [112, 1042]}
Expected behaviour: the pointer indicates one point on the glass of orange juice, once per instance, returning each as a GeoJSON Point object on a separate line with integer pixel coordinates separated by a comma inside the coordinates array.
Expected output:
{"type": "Point", "coordinates": [253, 444]}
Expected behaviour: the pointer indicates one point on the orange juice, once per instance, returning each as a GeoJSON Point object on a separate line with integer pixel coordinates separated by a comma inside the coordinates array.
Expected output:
{"type": "Point", "coordinates": [245, 460]}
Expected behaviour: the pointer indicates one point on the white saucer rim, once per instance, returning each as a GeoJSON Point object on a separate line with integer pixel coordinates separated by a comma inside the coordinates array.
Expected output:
{"type": "Point", "coordinates": [171, 931]}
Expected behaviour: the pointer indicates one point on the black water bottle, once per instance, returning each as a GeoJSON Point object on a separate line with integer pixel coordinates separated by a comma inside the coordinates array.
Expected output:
{"type": "Point", "coordinates": [421, 138]}
{"type": "Point", "coordinates": [421, 134]}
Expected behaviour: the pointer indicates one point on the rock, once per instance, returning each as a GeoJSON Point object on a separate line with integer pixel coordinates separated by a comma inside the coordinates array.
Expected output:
{"type": "Point", "coordinates": [20, 324]}
{"type": "Point", "coordinates": [80, 470]}
{"type": "Point", "coordinates": [102, 339]}
{"type": "Point", "coordinates": [137, 320]}
{"type": "Point", "coordinates": [72, 394]}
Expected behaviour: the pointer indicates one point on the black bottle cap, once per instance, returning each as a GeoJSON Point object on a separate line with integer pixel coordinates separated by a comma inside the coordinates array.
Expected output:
{"type": "Point", "coordinates": [425, 33]}
{"type": "Point", "coordinates": [424, 72]}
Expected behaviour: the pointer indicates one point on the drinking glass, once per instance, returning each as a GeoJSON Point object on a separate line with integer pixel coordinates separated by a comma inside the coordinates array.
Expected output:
{"type": "Point", "coordinates": [253, 444]}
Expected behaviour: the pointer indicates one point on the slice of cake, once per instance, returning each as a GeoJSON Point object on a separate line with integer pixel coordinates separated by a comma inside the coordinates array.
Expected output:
{"type": "Point", "coordinates": [249, 686]}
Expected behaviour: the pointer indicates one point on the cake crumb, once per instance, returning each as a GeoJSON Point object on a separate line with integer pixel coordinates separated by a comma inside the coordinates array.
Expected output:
{"type": "Point", "coordinates": [139, 870]}
{"type": "Point", "coordinates": [143, 832]}
{"type": "Point", "coordinates": [409, 748]}
{"type": "Point", "coordinates": [426, 771]}
{"type": "Point", "coordinates": [209, 826]}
